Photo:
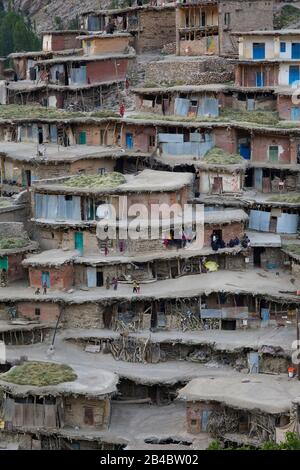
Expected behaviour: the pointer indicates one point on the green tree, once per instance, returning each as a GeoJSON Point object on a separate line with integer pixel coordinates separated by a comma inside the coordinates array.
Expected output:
{"type": "Point", "coordinates": [58, 23]}
{"type": "Point", "coordinates": [74, 23]}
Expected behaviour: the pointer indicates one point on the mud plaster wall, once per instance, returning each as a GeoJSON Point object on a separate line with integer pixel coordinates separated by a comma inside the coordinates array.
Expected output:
{"type": "Point", "coordinates": [60, 278]}
{"type": "Point", "coordinates": [15, 268]}
{"type": "Point", "coordinates": [244, 16]}
{"type": "Point", "coordinates": [194, 415]}
{"type": "Point", "coordinates": [261, 144]}
{"type": "Point", "coordinates": [229, 231]}
{"type": "Point", "coordinates": [74, 412]}
{"type": "Point", "coordinates": [49, 312]}
{"type": "Point", "coordinates": [285, 105]}
{"type": "Point", "coordinates": [52, 239]}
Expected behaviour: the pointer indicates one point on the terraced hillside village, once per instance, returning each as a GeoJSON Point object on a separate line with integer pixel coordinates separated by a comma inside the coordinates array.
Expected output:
{"type": "Point", "coordinates": [149, 225]}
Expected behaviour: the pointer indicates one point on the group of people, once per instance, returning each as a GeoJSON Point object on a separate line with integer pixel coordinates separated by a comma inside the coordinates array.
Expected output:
{"type": "Point", "coordinates": [114, 283]}
{"type": "Point", "coordinates": [45, 288]}
{"type": "Point", "coordinates": [180, 242]}
{"type": "Point", "coordinates": [218, 243]}
{"type": "Point", "coordinates": [136, 288]}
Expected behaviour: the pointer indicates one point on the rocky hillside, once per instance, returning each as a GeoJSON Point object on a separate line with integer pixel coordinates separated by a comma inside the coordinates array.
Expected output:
{"type": "Point", "coordinates": [43, 12]}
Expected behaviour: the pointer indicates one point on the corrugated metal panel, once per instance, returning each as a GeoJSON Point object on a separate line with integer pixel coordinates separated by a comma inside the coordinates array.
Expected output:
{"type": "Point", "coordinates": [235, 312]}
{"type": "Point", "coordinates": [209, 107]}
{"type": "Point", "coordinates": [287, 223]}
{"type": "Point", "coordinates": [182, 106]}
{"type": "Point", "coordinates": [196, 137]}
{"type": "Point", "coordinates": [53, 133]}
{"type": "Point", "coordinates": [259, 220]}
{"type": "Point", "coordinates": [211, 313]}
{"type": "Point", "coordinates": [91, 277]}
{"type": "Point", "coordinates": [226, 313]}
{"type": "Point", "coordinates": [265, 221]}
{"type": "Point", "coordinates": [170, 138]}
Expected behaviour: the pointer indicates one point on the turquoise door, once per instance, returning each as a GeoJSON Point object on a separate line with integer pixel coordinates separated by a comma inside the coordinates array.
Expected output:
{"type": "Point", "coordinates": [82, 138]}
{"type": "Point", "coordinates": [294, 74]}
{"type": "Point", "coordinates": [295, 113]}
{"type": "Point", "coordinates": [78, 241]}
{"type": "Point", "coordinates": [4, 262]}
{"type": "Point", "coordinates": [46, 278]}
{"type": "Point", "coordinates": [129, 140]}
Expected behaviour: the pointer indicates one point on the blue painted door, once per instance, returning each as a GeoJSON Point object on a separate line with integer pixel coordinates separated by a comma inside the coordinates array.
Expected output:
{"type": "Point", "coordinates": [265, 314]}
{"type": "Point", "coordinates": [82, 138]}
{"type": "Point", "coordinates": [260, 79]}
{"type": "Point", "coordinates": [258, 50]}
{"type": "Point", "coordinates": [129, 140]}
{"type": "Point", "coordinates": [294, 74]}
{"type": "Point", "coordinates": [296, 50]}
{"type": "Point", "coordinates": [78, 241]}
{"type": "Point", "coordinates": [46, 278]}
{"type": "Point", "coordinates": [245, 151]}
{"type": "Point", "coordinates": [295, 113]}
{"type": "Point", "coordinates": [258, 178]}
{"type": "Point", "coordinates": [253, 362]}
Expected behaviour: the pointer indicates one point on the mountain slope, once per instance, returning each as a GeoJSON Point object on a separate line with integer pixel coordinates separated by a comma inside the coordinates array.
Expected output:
{"type": "Point", "coordinates": [43, 12]}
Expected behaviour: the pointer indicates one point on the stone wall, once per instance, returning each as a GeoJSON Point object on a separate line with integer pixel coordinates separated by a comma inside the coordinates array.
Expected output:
{"type": "Point", "coordinates": [88, 315]}
{"type": "Point", "coordinates": [189, 71]}
{"type": "Point", "coordinates": [157, 28]}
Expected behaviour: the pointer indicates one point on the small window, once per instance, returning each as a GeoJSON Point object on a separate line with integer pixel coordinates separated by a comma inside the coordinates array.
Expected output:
{"type": "Point", "coordinates": [273, 153]}
{"type": "Point", "coordinates": [227, 19]}
{"type": "Point", "coordinates": [151, 140]}
{"type": "Point", "coordinates": [68, 197]}
{"type": "Point", "coordinates": [81, 172]}
{"type": "Point", "coordinates": [194, 102]}
{"type": "Point", "coordinates": [193, 422]}
{"type": "Point", "coordinates": [102, 171]}
{"type": "Point", "coordinates": [282, 47]}
{"type": "Point", "coordinates": [37, 312]}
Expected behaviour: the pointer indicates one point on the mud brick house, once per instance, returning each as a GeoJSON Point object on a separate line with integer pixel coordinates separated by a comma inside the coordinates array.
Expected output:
{"type": "Point", "coordinates": [102, 43]}
{"type": "Point", "coordinates": [276, 217]}
{"type": "Point", "coordinates": [205, 26]}
{"type": "Point", "coordinates": [23, 163]}
{"type": "Point", "coordinates": [250, 416]}
{"type": "Point", "coordinates": [54, 41]}
{"type": "Point", "coordinates": [287, 103]}
{"type": "Point", "coordinates": [268, 58]}
{"type": "Point", "coordinates": [81, 402]}
{"type": "Point", "coordinates": [14, 245]}
{"type": "Point", "coordinates": [85, 70]}
{"type": "Point", "coordinates": [79, 97]}
{"type": "Point", "coordinates": [218, 179]}
{"type": "Point", "coordinates": [192, 101]}
{"type": "Point", "coordinates": [73, 212]}
{"type": "Point", "coordinates": [151, 27]}
{"type": "Point", "coordinates": [24, 63]}
{"type": "Point", "coordinates": [53, 268]}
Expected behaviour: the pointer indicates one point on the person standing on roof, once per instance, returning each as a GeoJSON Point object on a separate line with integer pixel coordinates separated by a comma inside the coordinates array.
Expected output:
{"type": "Point", "coordinates": [45, 288]}
{"type": "Point", "coordinates": [110, 27]}
{"type": "Point", "coordinates": [122, 110]}
{"type": "Point", "coordinates": [115, 283]}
